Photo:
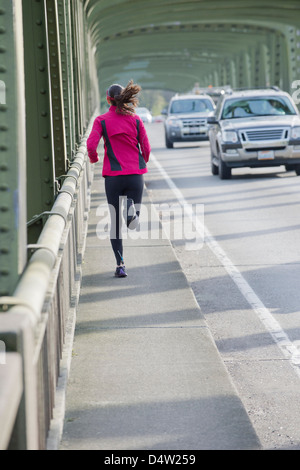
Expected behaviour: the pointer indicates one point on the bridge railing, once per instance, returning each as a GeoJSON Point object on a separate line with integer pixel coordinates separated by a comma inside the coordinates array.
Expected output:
{"type": "Point", "coordinates": [34, 321]}
{"type": "Point", "coordinates": [10, 395]}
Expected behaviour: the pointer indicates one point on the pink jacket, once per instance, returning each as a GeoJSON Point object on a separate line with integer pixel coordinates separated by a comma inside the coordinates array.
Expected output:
{"type": "Point", "coordinates": [127, 148]}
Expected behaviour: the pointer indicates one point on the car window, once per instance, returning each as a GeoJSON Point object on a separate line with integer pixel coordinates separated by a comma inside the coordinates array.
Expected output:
{"type": "Point", "coordinates": [260, 106]}
{"type": "Point", "coordinates": [191, 106]}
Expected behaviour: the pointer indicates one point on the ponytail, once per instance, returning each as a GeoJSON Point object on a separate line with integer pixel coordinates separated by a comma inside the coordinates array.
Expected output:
{"type": "Point", "coordinates": [125, 99]}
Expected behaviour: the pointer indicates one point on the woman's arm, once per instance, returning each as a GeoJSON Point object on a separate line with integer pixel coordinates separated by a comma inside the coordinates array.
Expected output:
{"type": "Point", "coordinates": [144, 142]}
{"type": "Point", "coordinates": [93, 141]}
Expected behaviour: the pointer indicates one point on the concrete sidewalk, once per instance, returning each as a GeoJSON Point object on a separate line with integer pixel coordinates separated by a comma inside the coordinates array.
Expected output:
{"type": "Point", "coordinates": [145, 371]}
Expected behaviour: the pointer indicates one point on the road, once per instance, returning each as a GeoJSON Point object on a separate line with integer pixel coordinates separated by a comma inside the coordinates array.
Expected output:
{"type": "Point", "coordinates": [245, 276]}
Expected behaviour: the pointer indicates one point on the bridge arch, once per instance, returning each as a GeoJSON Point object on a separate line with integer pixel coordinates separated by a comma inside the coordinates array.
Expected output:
{"type": "Point", "coordinates": [168, 44]}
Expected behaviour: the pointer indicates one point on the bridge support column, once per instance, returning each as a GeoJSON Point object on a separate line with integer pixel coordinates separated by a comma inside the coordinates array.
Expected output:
{"type": "Point", "coordinates": [57, 99]}
{"type": "Point", "coordinates": [12, 147]}
{"type": "Point", "coordinates": [264, 78]}
{"type": "Point", "coordinates": [246, 69]}
{"type": "Point", "coordinates": [232, 73]}
{"type": "Point", "coordinates": [86, 98]}
{"type": "Point", "coordinates": [283, 61]}
{"type": "Point", "coordinates": [221, 75]}
{"type": "Point", "coordinates": [275, 44]}
{"type": "Point", "coordinates": [261, 69]}
{"type": "Point", "coordinates": [40, 157]}
{"type": "Point", "coordinates": [67, 74]}
{"type": "Point", "coordinates": [293, 56]}
{"type": "Point", "coordinates": [215, 78]}
{"type": "Point", "coordinates": [226, 75]}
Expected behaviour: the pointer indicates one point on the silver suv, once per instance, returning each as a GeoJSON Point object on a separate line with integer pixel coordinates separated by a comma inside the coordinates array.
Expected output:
{"type": "Point", "coordinates": [254, 128]}
{"type": "Point", "coordinates": [187, 118]}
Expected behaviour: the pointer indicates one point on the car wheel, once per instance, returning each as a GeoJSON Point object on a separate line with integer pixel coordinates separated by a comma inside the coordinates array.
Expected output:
{"type": "Point", "coordinates": [297, 170]}
{"type": "Point", "coordinates": [224, 170]}
{"type": "Point", "coordinates": [169, 144]}
{"type": "Point", "coordinates": [290, 167]}
{"type": "Point", "coordinates": [214, 168]}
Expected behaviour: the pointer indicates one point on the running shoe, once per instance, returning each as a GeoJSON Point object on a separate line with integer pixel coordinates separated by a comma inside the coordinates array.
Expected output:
{"type": "Point", "coordinates": [120, 271]}
{"type": "Point", "coordinates": [132, 216]}
{"type": "Point", "coordinates": [133, 222]}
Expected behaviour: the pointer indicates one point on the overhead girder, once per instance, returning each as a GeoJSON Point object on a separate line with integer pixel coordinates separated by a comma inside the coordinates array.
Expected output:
{"type": "Point", "coordinates": [251, 42]}
{"type": "Point", "coordinates": [107, 16]}
{"type": "Point", "coordinates": [190, 43]}
{"type": "Point", "coordinates": [187, 51]}
{"type": "Point", "coordinates": [188, 55]}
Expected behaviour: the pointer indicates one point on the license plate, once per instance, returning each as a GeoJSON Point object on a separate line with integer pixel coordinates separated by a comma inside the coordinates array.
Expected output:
{"type": "Point", "coordinates": [266, 155]}
{"type": "Point", "coordinates": [194, 130]}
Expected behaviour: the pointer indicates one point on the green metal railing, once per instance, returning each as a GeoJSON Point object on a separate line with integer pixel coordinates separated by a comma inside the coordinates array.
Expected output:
{"type": "Point", "coordinates": [44, 123]}
{"type": "Point", "coordinates": [34, 319]}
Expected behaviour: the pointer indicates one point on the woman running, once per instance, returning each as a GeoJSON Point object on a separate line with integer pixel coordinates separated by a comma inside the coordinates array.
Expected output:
{"type": "Point", "coordinates": [126, 155]}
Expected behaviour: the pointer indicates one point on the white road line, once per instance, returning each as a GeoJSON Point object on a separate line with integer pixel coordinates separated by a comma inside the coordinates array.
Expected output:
{"type": "Point", "coordinates": [287, 347]}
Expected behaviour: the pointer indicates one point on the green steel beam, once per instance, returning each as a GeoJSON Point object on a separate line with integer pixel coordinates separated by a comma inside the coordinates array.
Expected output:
{"type": "Point", "coordinates": [57, 99]}
{"type": "Point", "coordinates": [76, 71]}
{"type": "Point", "coordinates": [127, 32]}
{"type": "Point", "coordinates": [293, 49]}
{"type": "Point", "coordinates": [185, 54]}
{"type": "Point", "coordinates": [40, 157]}
{"type": "Point", "coordinates": [83, 74]}
{"type": "Point", "coordinates": [112, 15]}
{"type": "Point", "coordinates": [63, 11]}
{"type": "Point", "coordinates": [48, 92]}
{"type": "Point", "coordinates": [12, 148]}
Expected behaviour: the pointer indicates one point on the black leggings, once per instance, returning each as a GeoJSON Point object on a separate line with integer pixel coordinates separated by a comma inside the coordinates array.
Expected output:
{"type": "Point", "coordinates": [130, 186]}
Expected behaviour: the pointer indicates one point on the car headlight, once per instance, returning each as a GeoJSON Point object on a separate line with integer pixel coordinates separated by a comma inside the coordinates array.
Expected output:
{"type": "Point", "coordinates": [295, 134]}
{"type": "Point", "coordinates": [174, 122]}
{"type": "Point", "coordinates": [230, 136]}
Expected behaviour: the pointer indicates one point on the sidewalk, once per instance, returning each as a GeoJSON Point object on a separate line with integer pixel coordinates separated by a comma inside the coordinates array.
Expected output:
{"type": "Point", "coordinates": [145, 371]}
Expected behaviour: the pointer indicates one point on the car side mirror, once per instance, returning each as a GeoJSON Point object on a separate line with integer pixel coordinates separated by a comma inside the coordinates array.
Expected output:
{"type": "Point", "coordinates": [212, 120]}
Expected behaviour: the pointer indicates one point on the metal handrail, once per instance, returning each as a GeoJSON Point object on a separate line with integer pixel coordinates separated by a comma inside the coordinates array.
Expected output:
{"type": "Point", "coordinates": [10, 396]}
{"type": "Point", "coordinates": [32, 288]}
{"type": "Point", "coordinates": [34, 316]}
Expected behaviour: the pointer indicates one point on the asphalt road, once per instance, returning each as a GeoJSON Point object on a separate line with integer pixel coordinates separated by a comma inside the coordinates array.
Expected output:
{"type": "Point", "coordinates": [245, 275]}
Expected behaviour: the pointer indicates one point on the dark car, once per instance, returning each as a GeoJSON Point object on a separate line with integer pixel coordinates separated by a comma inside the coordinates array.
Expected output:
{"type": "Point", "coordinates": [254, 128]}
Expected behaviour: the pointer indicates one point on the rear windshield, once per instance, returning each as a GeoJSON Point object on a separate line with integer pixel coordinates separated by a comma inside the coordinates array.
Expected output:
{"type": "Point", "coordinates": [191, 106]}
{"type": "Point", "coordinates": [260, 106]}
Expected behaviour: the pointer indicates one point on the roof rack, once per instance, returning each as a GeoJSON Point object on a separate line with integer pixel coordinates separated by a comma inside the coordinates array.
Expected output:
{"type": "Point", "coordinates": [275, 88]}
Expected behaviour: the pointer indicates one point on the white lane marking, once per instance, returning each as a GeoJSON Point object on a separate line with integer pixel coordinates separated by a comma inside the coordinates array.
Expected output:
{"type": "Point", "coordinates": [287, 347]}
